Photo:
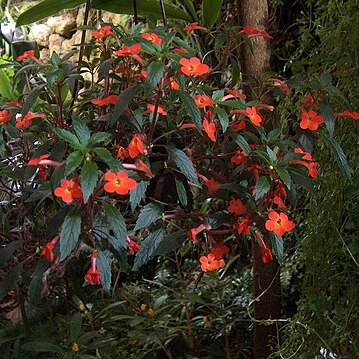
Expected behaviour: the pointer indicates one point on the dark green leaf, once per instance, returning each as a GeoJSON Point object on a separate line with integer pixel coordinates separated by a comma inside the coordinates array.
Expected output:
{"type": "Point", "coordinates": [189, 7]}
{"type": "Point", "coordinates": [75, 326]}
{"type": "Point", "coordinates": [106, 156]}
{"type": "Point", "coordinates": [285, 177]}
{"type": "Point", "coordinates": [123, 101]}
{"type": "Point", "coordinates": [36, 284]}
{"type": "Point", "coordinates": [183, 163]}
{"type": "Point", "coordinates": [70, 233]}
{"type": "Point", "coordinates": [262, 187]}
{"type": "Point", "coordinates": [89, 176]}
{"type": "Point", "coordinates": [272, 155]}
{"type": "Point", "coordinates": [148, 249]}
{"type": "Point", "coordinates": [68, 137]}
{"type": "Point", "coordinates": [149, 214]}
{"type": "Point", "coordinates": [241, 142]}
{"type": "Point", "coordinates": [42, 347]}
{"type": "Point", "coordinates": [171, 243]}
{"type": "Point", "coordinates": [99, 137]}
{"type": "Point", "coordinates": [210, 12]}
{"type": "Point", "coordinates": [138, 194]}
{"type": "Point", "coordinates": [46, 8]}
{"type": "Point", "coordinates": [304, 181]}
{"type": "Point", "coordinates": [82, 131]}
{"type": "Point", "coordinates": [191, 108]}
{"type": "Point", "coordinates": [7, 251]}
{"type": "Point", "coordinates": [10, 280]}
{"type": "Point", "coordinates": [223, 118]}
{"type": "Point", "coordinates": [277, 245]}
{"type": "Point", "coordinates": [328, 115]}
{"type": "Point", "coordinates": [154, 73]}
{"type": "Point", "coordinates": [73, 161]}
{"type": "Point", "coordinates": [31, 98]}
{"type": "Point", "coordinates": [104, 266]}
{"type": "Point", "coordinates": [181, 192]}
{"type": "Point", "coordinates": [117, 223]}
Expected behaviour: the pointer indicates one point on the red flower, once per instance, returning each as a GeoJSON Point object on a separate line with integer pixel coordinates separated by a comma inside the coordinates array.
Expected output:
{"type": "Point", "coordinates": [122, 153]}
{"type": "Point", "coordinates": [235, 94]}
{"type": "Point", "coordinates": [279, 223]}
{"type": "Point", "coordinates": [306, 155]}
{"type": "Point", "coordinates": [102, 32]}
{"type": "Point", "coordinates": [109, 100]}
{"type": "Point", "coordinates": [310, 120]}
{"type": "Point", "coordinates": [219, 250]}
{"type": "Point", "coordinates": [313, 169]}
{"type": "Point", "coordinates": [239, 126]}
{"type": "Point", "coordinates": [209, 263]}
{"type": "Point", "coordinates": [41, 162]}
{"type": "Point", "coordinates": [194, 26]}
{"type": "Point", "coordinates": [251, 32]}
{"type": "Point", "coordinates": [136, 146]}
{"type": "Point", "coordinates": [173, 84]}
{"type": "Point", "coordinates": [352, 114]}
{"type": "Point", "coordinates": [93, 275]}
{"type": "Point", "coordinates": [210, 129]}
{"type": "Point", "coordinates": [193, 232]}
{"type": "Point", "coordinates": [141, 166]}
{"type": "Point", "coordinates": [239, 157]}
{"type": "Point", "coordinates": [266, 255]}
{"type": "Point", "coordinates": [119, 183]}
{"type": "Point", "coordinates": [47, 251]}
{"type": "Point", "coordinates": [203, 101]}
{"type": "Point", "coordinates": [237, 207]}
{"type": "Point", "coordinates": [254, 116]}
{"type": "Point", "coordinates": [68, 190]}
{"type": "Point", "coordinates": [154, 38]}
{"type": "Point", "coordinates": [244, 226]}
{"type": "Point", "coordinates": [133, 247]}
{"type": "Point", "coordinates": [161, 110]}
{"type": "Point", "coordinates": [30, 54]}
{"type": "Point", "coordinates": [193, 66]}
{"type": "Point", "coordinates": [281, 84]}
{"type": "Point", "coordinates": [20, 122]}
{"type": "Point", "coordinates": [212, 186]}
{"type": "Point", "coordinates": [5, 116]}
{"type": "Point", "coordinates": [131, 51]}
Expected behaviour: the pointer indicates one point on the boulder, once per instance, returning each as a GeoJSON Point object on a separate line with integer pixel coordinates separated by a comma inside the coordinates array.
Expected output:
{"type": "Point", "coordinates": [63, 24]}
{"type": "Point", "coordinates": [40, 33]}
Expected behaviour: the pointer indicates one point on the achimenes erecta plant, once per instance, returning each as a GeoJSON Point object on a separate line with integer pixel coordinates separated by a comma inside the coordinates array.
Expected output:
{"type": "Point", "coordinates": [161, 151]}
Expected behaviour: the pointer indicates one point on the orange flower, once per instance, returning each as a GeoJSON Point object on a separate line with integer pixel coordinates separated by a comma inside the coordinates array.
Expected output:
{"type": "Point", "coordinates": [109, 100]}
{"type": "Point", "coordinates": [280, 84]}
{"type": "Point", "coordinates": [122, 153]}
{"type": "Point", "coordinates": [239, 126]}
{"type": "Point", "coordinates": [119, 183]}
{"type": "Point", "coordinates": [102, 32]}
{"type": "Point", "coordinates": [279, 223]}
{"type": "Point", "coordinates": [306, 155]}
{"type": "Point", "coordinates": [153, 38]}
{"type": "Point", "coordinates": [209, 263]}
{"type": "Point", "coordinates": [212, 186]}
{"type": "Point", "coordinates": [239, 157]}
{"type": "Point", "coordinates": [41, 162]}
{"type": "Point", "coordinates": [68, 190]}
{"type": "Point", "coordinates": [210, 129]}
{"type": "Point", "coordinates": [93, 275]}
{"type": "Point", "coordinates": [352, 114]}
{"type": "Point", "coordinates": [133, 247]}
{"type": "Point", "coordinates": [203, 101]}
{"type": "Point", "coordinates": [244, 226]}
{"type": "Point", "coordinates": [30, 54]}
{"type": "Point", "coordinates": [237, 207]}
{"type": "Point", "coordinates": [136, 146]}
{"type": "Point", "coordinates": [161, 110]}
{"type": "Point", "coordinates": [20, 122]}
{"type": "Point", "coordinates": [47, 251]}
{"type": "Point", "coordinates": [131, 51]}
{"type": "Point", "coordinates": [266, 255]}
{"type": "Point", "coordinates": [194, 26]}
{"type": "Point", "coordinates": [141, 166]}
{"type": "Point", "coordinates": [252, 32]}
{"type": "Point", "coordinates": [193, 232]}
{"type": "Point", "coordinates": [5, 116]}
{"type": "Point", "coordinates": [254, 116]}
{"type": "Point", "coordinates": [219, 250]}
{"type": "Point", "coordinates": [173, 84]}
{"type": "Point", "coordinates": [310, 120]}
{"type": "Point", "coordinates": [193, 66]}
{"type": "Point", "coordinates": [178, 50]}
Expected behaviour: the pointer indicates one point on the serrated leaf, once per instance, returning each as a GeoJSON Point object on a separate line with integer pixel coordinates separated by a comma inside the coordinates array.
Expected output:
{"type": "Point", "coordinates": [99, 137]}
{"type": "Point", "coordinates": [210, 12]}
{"type": "Point", "coordinates": [117, 223]}
{"type": "Point", "coordinates": [183, 163]}
{"type": "Point", "coordinates": [181, 192]}
{"type": "Point", "coordinates": [10, 279]}
{"type": "Point", "coordinates": [223, 118]}
{"type": "Point", "coordinates": [277, 246]}
{"type": "Point", "coordinates": [148, 249]}
{"type": "Point", "coordinates": [285, 177]}
{"type": "Point", "coordinates": [138, 194]}
{"type": "Point", "coordinates": [155, 72]}
{"type": "Point", "coordinates": [7, 251]}
{"type": "Point", "coordinates": [123, 101]}
{"type": "Point", "coordinates": [89, 176]}
{"type": "Point", "coordinates": [104, 266]}
{"type": "Point", "coordinates": [106, 157]}
{"type": "Point", "coordinates": [82, 131]}
{"type": "Point", "coordinates": [241, 142]}
{"type": "Point", "coordinates": [70, 233]}
{"type": "Point", "coordinates": [171, 243]}
{"type": "Point", "coordinates": [191, 108]}
{"type": "Point", "coordinates": [149, 214]}
{"type": "Point", "coordinates": [328, 115]}
{"type": "Point", "coordinates": [262, 187]}
{"type": "Point", "coordinates": [68, 137]}
{"type": "Point", "coordinates": [41, 347]}
{"type": "Point", "coordinates": [73, 161]}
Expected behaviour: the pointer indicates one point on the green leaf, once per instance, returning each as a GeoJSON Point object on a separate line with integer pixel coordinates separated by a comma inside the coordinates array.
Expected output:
{"type": "Point", "coordinates": [68, 137]}
{"type": "Point", "coordinates": [285, 177]}
{"type": "Point", "coordinates": [328, 115]}
{"type": "Point", "coordinates": [123, 101]}
{"type": "Point", "coordinates": [148, 249]}
{"type": "Point", "coordinates": [304, 181]}
{"type": "Point", "coordinates": [223, 118]}
{"type": "Point", "coordinates": [82, 131]}
{"type": "Point", "coordinates": [262, 187]}
{"type": "Point", "coordinates": [191, 108]}
{"type": "Point", "coordinates": [31, 99]}
{"type": "Point", "coordinates": [241, 142]}
{"type": "Point", "coordinates": [210, 12]}
{"type": "Point", "coordinates": [7, 251]}
{"type": "Point", "coordinates": [339, 155]}
{"type": "Point", "coordinates": [89, 176]}
{"type": "Point", "coordinates": [154, 73]}
{"type": "Point", "coordinates": [277, 245]}
{"type": "Point", "coordinates": [10, 280]}
{"type": "Point", "coordinates": [171, 243]}
{"type": "Point", "coordinates": [46, 8]}
{"type": "Point", "coordinates": [138, 194]}
{"type": "Point", "coordinates": [183, 163]}
{"type": "Point", "coordinates": [41, 347]}
{"type": "Point", "coordinates": [73, 161]}
{"type": "Point", "coordinates": [149, 214]}
{"type": "Point", "coordinates": [272, 155]}
{"type": "Point", "coordinates": [117, 223]}
{"type": "Point", "coordinates": [106, 156]}
{"type": "Point", "coordinates": [181, 192]}
{"type": "Point", "coordinates": [104, 265]}
{"type": "Point", "coordinates": [75, 326]}
{"type": "Point", "coordinates": [36, 285]}
{"type": "Point", "coordinates": [189, 7]}
{"type": "Point", "coordinates": [99, 137]}
{"type": "Point", "coordinates": [144, 8]}
{"type": "Point", "coordinates": [70, 233]}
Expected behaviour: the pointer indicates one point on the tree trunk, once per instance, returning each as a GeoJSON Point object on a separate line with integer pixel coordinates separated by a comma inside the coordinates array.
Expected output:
{"type": "Point", "coordinates": [255, 62]}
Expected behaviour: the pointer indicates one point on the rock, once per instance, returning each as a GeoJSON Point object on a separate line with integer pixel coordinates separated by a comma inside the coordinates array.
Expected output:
{"type": "Point", "coordinates": [63, 24]}
{"type": "Point", "coordinates": [117, 19]}
{"type": "Point", "coordinates": [40, 33]}
{"type": "Point", "coordinates": [55, 43]}
{"type": "Point", "coordinates": [44, 54]}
